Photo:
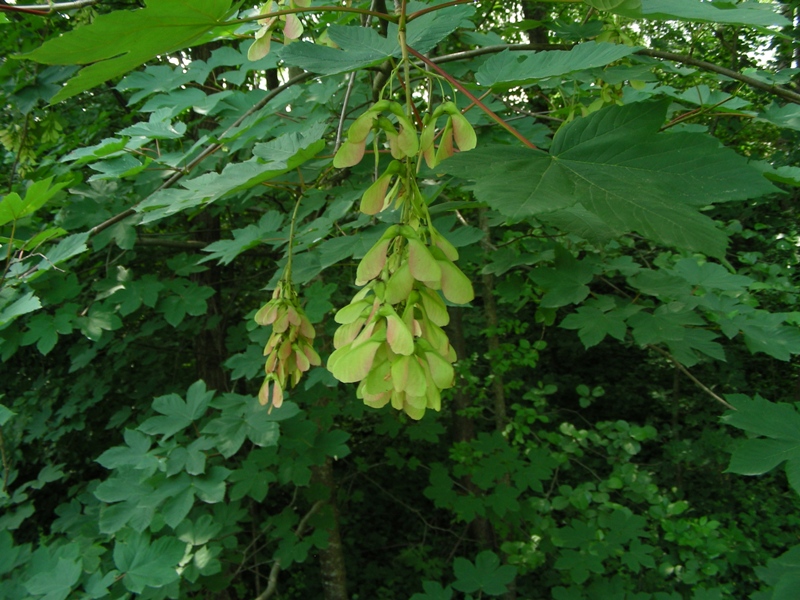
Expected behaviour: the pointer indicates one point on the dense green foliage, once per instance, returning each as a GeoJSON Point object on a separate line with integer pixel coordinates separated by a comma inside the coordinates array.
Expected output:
{"type": "Point", "coordinates": [602, 191]}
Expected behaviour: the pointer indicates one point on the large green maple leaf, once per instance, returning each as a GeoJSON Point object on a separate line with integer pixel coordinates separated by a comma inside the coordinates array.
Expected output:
{"type": "Point", "coordinates": [617, 166]}
{"type": "Point", "coordinates": [122, 40]}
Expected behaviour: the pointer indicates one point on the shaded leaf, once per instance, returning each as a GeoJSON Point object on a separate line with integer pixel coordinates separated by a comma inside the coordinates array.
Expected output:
{"type": "Point", "coordinates": [486, 574]}
{"type": "Point", "coordinates": [750, 14]}
{"type": "Point", "coordinates": [143, 564]}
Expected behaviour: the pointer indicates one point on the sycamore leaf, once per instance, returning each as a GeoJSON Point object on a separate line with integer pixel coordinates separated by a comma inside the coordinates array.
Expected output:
{"type": "Point", "coordinates": [434, 591]}
{"type": "Point", "coordinates": [566, 283]}
{"type": "Point", "coordinates": [486, 574]}
{"type": "Point", "coordinates": [224, 251]}
{"type": "Point", "coordinates": [56, 583]}
{"type": "Point", "coordinates": [67, 248]}
{"type": "Point", "coordinates": [12, 207]}
{"type": "Point", "coordinates": [147, 565]}
{"type": "Point", "coordinates": [20, 305]}
{"type": "Point", "coordinates": [693, 341]}
{"type": "Point", "coordinates": [711, 276]}
{"type": "Point", "coordinates": [619, 168]}
{"type": "Point", "coordinates": [663, 325]}
{"type": "Point", "coordinates": [782, 116]}
{"type": "Point", "coordinates": [118, 42]}
{"type": "Point", "coordinates": [783, 575]}
{"type": "Point", "coordinates": [750, 14]}
{"type": "Point", "coordinates": [177, 414]}
{"type": "Point", "coordinates": [765, 335]}
{"type": "Point", "coordinates": [779, 426]}
{"type": "Point", "coordinates": [510, 69]}
{"type": "Point", "coordinates": [594, 325]}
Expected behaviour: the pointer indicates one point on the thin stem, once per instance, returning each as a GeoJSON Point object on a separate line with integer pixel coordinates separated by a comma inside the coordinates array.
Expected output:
{"type": "Point", "coordinates": [345, 102]}
{"type": "Point", "coordinates": [694, 379]}
{"type": "Point", "coordinates": [9, 253]}
{"type": "Point", "coordinates": [455, 83]}
{"type": "Point", "coordinates": [287, 273]}
{"type": "Point", "coordinates": [699, 111]}
{"type": "Point", "coordinates": [23, 136]}
{"type": "Point", "coordinates": [348, 91]}
{"type": "Point", "coordinates": [401, 35]}
{"type": "Point", "coordinates": [6, 466]}
{"type": "Point", "coordinates": [50, 7]}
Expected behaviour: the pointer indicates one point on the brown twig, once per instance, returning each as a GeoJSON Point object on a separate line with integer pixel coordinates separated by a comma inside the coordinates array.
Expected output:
{"type": "Point", "coordinates": [455, 83]}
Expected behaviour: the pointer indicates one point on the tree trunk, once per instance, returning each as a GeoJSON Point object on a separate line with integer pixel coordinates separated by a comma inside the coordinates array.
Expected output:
{"type": "Point", "coordinates": [331, 559]}
{"type": "Point", "coordinates": [464, 427]}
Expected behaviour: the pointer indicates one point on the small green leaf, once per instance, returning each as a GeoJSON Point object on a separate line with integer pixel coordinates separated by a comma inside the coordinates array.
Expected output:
{"type": "Point", "coordinates": [5, 414]}
{"type": "Point", "coordinates": [594, 325]}
{"type": "Point", "coordinates": [434, 591]}
{"type": "Point", "coordinates": [749, 14]}
{"type": "Point", "coordinates": [56, 584]}
{"type": "Point", "coordinates": [12, 207]}
{"type": "Point", "coordinates": [511, 69]}
{"type": "Point", "coordinates": [485, 575]}
{"type": "Point", "coordinates": [20, 305]}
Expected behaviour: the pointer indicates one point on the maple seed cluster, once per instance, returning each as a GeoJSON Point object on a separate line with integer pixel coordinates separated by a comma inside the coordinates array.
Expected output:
{"type": "Point", "coordinates": [390, 338]}
{"type": "Point", "coordinates": [289, 350]}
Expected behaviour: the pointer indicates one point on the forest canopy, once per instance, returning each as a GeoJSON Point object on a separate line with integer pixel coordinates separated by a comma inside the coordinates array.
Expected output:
{"type": "Point", "coordinates": [399, 299]}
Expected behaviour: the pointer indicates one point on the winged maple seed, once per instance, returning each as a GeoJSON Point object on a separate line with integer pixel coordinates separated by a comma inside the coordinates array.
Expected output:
{"type": "Point", "coordinates": [403, 143]}
{"type": "Point", "coordinates": [289, 350]}
{"type": "Point", "coordinates": [292, 28]}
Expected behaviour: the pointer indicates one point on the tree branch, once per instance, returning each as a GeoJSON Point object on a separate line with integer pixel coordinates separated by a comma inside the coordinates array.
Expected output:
{"type": "Point", "coordinates": [694, 379]}
{"type": "Point", "coordinates": [776, 90]}
{"type": "Point", "coordinates": [181, 244]}
{"type": "Point", "coordinates": [48, 9]}
{"type": "Point", "coordinates": [272, 582]}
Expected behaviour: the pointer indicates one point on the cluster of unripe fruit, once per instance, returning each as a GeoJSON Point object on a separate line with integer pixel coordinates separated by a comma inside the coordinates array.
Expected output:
{"type": "Point", "coordinates": [390, 337]}
{"type": "Point", "coordinates": [390, 340]}
{"type": "Point", "coordinates": [289, 350]}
